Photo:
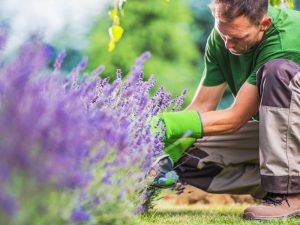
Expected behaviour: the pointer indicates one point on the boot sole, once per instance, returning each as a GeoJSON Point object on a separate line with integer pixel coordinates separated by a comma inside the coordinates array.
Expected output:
{"type": "Point", "coordinates": [251, 216]}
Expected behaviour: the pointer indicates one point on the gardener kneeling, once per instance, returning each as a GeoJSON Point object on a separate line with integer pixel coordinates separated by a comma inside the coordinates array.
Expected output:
{"type": "Point", "coordinates": [255, 51]}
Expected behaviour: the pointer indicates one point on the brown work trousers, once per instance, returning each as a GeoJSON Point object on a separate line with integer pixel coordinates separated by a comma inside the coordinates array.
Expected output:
{"type": "Point", "coordinates": [262, 156]}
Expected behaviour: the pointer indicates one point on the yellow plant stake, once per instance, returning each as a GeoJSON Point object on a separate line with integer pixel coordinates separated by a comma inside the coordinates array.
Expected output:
{"type": "Point", "coordinates": [115, 31]}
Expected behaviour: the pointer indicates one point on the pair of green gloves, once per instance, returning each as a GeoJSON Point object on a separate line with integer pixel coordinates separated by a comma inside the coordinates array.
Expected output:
{"type": "Point", "coordinates": [182, 128]}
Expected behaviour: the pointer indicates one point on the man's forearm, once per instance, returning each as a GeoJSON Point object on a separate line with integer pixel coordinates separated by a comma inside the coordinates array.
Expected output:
{"type": "Point", "coordinates": [216, 122]}
{"type": "Point", "coordinates": [222, 121]}
{"type": "Point", "coordinates": [246, 104]}
{"type": "Point", "coordinates": [201, 107]}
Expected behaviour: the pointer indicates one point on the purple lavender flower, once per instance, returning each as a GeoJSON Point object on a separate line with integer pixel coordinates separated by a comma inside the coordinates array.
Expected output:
{"type": "Point", "coordinates": [146, 56]}
{"type": "Point", "coordinates": [59, 60]}
{"type": "Point", "coordinates": [3, 36]}
{"type": "Point", "coordinates": [119, 74]}
{"type": "Point", "coordinates": [80, 215]}
{"type": "Point", "coordinates": [97, 71]}
{"type": "Point", "coordinates": [107, 177]}
{"type": "Point", "coordinates": [137, 68]}
{"type": "Point", "coordinates": [8, 204]}
{"type": "Point", "coordinates": [80, 67]}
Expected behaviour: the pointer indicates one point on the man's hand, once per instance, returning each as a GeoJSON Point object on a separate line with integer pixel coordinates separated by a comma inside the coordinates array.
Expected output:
{"type": "Point", "coordinates": [177, 124]}
{"type": "Point", "coordinates": [162, 172]}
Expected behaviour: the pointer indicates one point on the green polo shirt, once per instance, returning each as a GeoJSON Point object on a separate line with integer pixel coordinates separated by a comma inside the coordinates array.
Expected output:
{"type": "Point", "coordinates": [281, 40]}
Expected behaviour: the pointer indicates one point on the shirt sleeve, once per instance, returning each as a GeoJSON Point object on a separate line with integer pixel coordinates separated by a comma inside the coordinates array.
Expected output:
{"type": "Point", "coordinates": [212, 75]}
{"type": "Point", "coordinates": [269, 49]}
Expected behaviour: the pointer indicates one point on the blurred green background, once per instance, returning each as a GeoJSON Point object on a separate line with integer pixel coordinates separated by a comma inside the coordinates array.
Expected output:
{"type": "Point", "coordinates": [175, 33]}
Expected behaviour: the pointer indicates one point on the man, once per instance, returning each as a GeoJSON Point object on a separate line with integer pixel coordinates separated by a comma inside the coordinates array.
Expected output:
{"type": "Point", "coordinates": [255, 50]}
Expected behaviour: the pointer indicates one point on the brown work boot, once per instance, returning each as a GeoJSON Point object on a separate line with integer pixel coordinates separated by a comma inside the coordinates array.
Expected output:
{"type": "Point", "coordinates": [276, 206]}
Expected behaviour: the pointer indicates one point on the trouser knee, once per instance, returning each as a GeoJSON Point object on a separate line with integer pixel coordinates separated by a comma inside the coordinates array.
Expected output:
{"type": "Point", "coordinates": [273, 82]}
{"type": "Point", "coordinates": [192, 170]}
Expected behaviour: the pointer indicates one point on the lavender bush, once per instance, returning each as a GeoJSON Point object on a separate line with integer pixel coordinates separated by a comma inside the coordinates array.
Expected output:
{"type": "Point", "coordinates": [75, 149]}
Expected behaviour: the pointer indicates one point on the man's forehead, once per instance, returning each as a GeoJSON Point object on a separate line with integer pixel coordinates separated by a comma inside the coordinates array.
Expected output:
{"type": "Point", "coordinates": [236, 27]}
{"type": "Point", "coordinates": [239, 22]}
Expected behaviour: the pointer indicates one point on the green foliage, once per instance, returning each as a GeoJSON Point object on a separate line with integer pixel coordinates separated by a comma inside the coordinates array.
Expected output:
{"type": "Point", "coordinates": [297, 4]}
{"type": "Point", "coordinates": [203, 22]}
{"type": "Point", "coordinates": [162, 29]}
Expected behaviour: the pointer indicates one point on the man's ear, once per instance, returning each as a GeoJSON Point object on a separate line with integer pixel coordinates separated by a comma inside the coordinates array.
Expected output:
{"type": "Point", "coordinates": [265, 23]}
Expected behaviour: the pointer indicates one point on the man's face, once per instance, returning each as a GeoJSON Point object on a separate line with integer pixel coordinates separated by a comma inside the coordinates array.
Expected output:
{"type": "Point", "coordinates": [239, 35]}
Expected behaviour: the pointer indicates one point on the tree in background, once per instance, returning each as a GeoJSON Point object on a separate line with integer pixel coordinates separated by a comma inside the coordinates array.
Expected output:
{"type": "Point", "coordinates": [164, 30]}
{"type": "Point", "coordinates": [203, 22]}
{"type": "Point", "coordinates": [297, 4]}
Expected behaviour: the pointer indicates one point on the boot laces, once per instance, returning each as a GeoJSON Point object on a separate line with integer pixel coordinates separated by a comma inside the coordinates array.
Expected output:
{"type": "Point", "coordinates": [275, 199]}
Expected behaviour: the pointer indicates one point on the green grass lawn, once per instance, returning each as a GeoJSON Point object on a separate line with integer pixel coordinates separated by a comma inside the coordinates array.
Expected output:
{"type": "Point", "coordinates": [169, 214]}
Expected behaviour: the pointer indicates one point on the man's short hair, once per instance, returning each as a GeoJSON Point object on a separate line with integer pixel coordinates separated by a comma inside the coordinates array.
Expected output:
{"type": "Point", "coordinates": [254, 10]}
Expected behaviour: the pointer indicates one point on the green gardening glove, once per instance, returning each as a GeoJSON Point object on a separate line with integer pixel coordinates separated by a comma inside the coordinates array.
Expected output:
{"type": "Point", "coordinates": [177, 124]}
{"type": "Point", "coordinates": [176, 149]}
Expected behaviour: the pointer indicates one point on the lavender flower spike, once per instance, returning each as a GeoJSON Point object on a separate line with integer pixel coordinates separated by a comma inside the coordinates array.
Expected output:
{"type": "Point", "coordinates": [59, 60]}
{"type": "Point", "coordinates": [80, 215]}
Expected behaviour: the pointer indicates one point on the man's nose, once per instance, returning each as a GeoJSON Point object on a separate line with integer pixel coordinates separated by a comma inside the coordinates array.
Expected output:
{"type": "Point", "coordinates": [228, 43]}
